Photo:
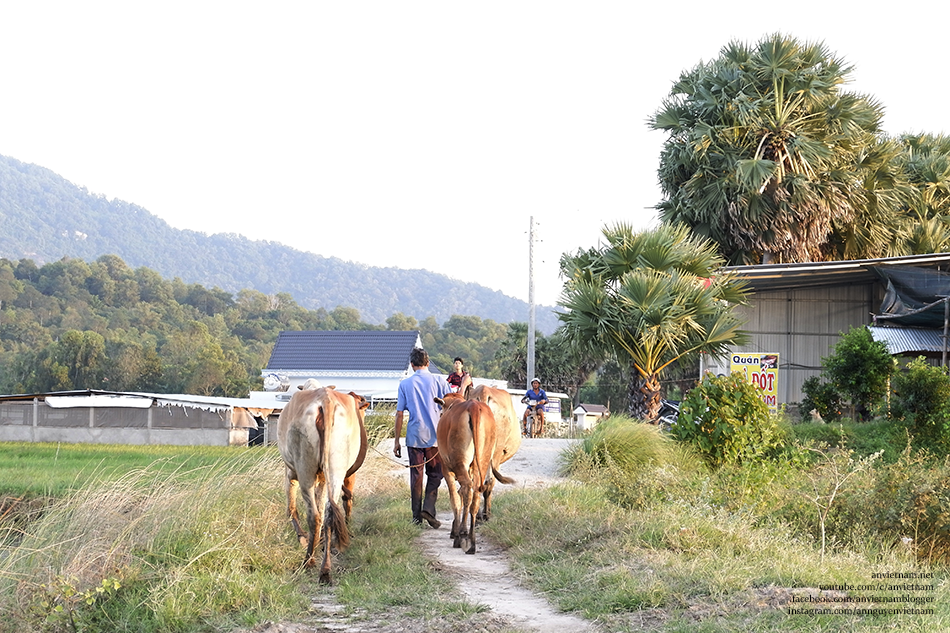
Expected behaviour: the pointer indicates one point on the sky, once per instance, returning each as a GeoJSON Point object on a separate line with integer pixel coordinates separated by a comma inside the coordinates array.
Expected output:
{"type": "Point", "coordinates": [407, 134]}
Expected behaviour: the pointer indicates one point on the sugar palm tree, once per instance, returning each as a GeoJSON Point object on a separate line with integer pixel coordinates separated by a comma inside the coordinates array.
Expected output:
{"type": "Point", "coordinates": [764, 150]}
{"type": "Point", "coordinates": [881, 227]}
{"type": "Point", "coordinates": [648, 299]}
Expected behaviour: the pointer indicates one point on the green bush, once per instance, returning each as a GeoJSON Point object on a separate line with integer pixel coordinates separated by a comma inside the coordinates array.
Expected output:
{"type": "Point", "coordinates": [726, 421]}
{"type": "Point", "coordinates": [625, 443]}
{"type": "Point", "coordinates": [859, 369]}
{"type": "Point", "coordinates": [922, 402]}
{"type": "Point", "coordinates": [821, 397]}
{"type": "Point", "coordinates": [636, 463]}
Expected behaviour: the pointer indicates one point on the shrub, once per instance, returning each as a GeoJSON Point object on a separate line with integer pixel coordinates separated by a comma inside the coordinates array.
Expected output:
{"type": "Point", "coordinates": [621, 442]}
{"type": "Point", "coordinates": [821, 397]}
{"type": "Point", "coordinates": [635, 463]}
{"type": "Point", "coordinates": [727, 422]}
{"type": "Point", "coordinates": [859, 368]}
{"type": "Point", "coordinates": [922, 402]}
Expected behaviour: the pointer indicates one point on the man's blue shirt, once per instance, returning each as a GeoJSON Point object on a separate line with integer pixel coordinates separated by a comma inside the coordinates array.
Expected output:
{"type": "Point", "coordinates": [538, 395]}
{"type": "Point", "coordinates": [415, 395]}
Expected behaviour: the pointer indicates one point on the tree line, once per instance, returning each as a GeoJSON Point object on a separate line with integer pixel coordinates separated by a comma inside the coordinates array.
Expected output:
{"type": "Point", "coordinates": [72, 324]}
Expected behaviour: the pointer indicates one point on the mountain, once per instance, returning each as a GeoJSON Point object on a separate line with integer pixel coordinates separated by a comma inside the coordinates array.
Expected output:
{"type": "Point", "coordinates": [45, 218]}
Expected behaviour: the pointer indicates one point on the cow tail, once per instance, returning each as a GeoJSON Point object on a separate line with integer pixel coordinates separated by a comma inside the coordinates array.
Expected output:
{"type": "Point", "coordinates": [475, 423]}
{"type": "Point", "coordinates": [338, 527]}
{"type": "Point", "coordinates": [501, 478]}
{"type": "Point", "coordinates": [334, 518]}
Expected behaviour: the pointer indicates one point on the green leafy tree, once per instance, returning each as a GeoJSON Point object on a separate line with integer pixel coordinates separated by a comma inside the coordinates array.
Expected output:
{"type": "Point", "coordinates": [922, 402]}
{"type": "Point", "coordinates": [560, 365]}
{"type": "Point", "coordinates": [75, 361]}
{"type": "Point", "coordinates": [725, 419]}
{"type": "Point", "coordinates": [926, 167]}
{"type": "Point", "coordinates": [860, 369]}
{"type": "Point", "coordinates": [822, 398]}
{"type": "Point", "coordinates": [399, 322]}
{"type": "Point", "coordinates": [766, 153]}
{"type": "Point", "coordinates": [650, 299]}
{"type": "Point", "coordinates": [882, 226]}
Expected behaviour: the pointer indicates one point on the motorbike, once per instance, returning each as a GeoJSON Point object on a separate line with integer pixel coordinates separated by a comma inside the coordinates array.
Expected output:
{"type": "Point", "coordinates": [668, 414]}
{"type": "Point", "coordinates": [533, 420]}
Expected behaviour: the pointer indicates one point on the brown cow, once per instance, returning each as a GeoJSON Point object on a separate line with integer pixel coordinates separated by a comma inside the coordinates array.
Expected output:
{"type": "Point", "coordinates": [466, 435]}
{"type": "Point", "coordinates": [508, 435]}
{"type": "Point", "coordinates": [322, 440]}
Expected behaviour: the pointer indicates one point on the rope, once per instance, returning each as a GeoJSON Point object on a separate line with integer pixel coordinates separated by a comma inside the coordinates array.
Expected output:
{"type": "Point", "coordinates": [387, 456]}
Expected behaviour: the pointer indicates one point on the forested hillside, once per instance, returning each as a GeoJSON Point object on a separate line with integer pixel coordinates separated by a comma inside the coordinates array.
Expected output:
{"type": "Point", "coordinates": [102, 325]}
{"type": "Point", "coordinates": [45, 218]}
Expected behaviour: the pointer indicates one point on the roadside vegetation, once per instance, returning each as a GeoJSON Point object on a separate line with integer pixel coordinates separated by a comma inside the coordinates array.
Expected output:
{"type": "Point", "coordinates": [647, 536]}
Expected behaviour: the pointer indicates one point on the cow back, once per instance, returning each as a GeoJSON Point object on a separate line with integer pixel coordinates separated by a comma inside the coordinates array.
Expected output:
{"type": "Point", "coordinates": [466, 437]}
{"type": "Point", "coordinates": [508, 434]}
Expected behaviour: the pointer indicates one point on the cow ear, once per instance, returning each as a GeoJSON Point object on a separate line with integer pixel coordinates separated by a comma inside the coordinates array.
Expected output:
{"type": "Point", "coordinates": [439, 401]}
{"type": "Point", "coordinates": [468, 392]}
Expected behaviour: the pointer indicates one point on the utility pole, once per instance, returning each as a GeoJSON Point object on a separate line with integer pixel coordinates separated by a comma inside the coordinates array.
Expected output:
{"type": "Point", "coordinates": [530, 304]}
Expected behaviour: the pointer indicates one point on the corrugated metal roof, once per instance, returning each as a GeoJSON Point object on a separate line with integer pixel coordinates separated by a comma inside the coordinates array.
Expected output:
{"type": "Point", "coordinates": [857, 271]}
{"type": "Point", "coordinates": [343, 350]}
{"type": "Point", "coordinates": [902, 340]}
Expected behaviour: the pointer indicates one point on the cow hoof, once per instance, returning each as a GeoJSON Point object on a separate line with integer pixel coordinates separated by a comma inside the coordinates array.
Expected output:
{"type": "Point", "coordinates": [457, 542]}
{"type": "Point", "coordinates": [325, 578]}
{"type": "Point", "coordinates": [470, 550]}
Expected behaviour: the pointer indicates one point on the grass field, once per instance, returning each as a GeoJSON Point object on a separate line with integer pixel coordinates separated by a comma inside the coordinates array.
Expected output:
{"type": "Point", "coordinates": [180, 539]}
{"type": "Point", "coordinates": [55, 470]}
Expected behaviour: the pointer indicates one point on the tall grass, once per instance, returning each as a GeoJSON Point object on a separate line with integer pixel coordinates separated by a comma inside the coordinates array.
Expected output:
{"type": "Point", "coordinates": [165, 548]}
{"type": "Point", "coordinates": [654, 540]}
{"type": "Point", "coordinates": [663, 542]}
{"type": "Point", "coordinates": [174, 548]}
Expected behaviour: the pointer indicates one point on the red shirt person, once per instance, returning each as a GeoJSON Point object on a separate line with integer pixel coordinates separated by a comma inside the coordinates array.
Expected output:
{"type": "Point", "coordinates": [459, 379]}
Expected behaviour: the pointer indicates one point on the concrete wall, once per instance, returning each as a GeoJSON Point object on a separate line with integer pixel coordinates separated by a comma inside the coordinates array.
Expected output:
{"type": "Point", "coordinates": [179, 426]}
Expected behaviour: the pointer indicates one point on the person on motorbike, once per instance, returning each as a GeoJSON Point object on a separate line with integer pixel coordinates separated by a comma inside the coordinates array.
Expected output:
{"type": "Point", "coordinates": [539, 398]}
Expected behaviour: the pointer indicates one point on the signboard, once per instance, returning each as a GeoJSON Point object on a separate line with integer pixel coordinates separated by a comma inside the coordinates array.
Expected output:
{"type": "Point", "coordinates": [762, 371]}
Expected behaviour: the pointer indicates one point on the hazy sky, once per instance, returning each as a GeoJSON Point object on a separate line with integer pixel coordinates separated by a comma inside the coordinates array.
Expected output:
{"type": "Point", "coordinates": [409, 134]}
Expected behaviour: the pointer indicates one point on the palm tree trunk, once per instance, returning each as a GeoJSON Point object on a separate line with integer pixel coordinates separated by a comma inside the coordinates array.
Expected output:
{"type": "Point", "coordinates": [651, 395]}
{"type": "Point", "coordinates": [636, 403]}
{"type": "Point", "coordinates": [644, 397]}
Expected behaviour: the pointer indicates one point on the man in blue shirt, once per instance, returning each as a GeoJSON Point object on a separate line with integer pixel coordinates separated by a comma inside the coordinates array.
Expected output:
{"type": "Point", "coordinates": [417, 395]}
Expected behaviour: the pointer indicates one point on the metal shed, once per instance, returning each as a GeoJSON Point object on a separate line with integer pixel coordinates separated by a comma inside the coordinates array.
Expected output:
{"type": "Point", "coordinates": [801, 310]}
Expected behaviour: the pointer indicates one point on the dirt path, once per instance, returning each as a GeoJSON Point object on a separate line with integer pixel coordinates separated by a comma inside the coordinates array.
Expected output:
{"type": "Point", "coordinates": [485, 578]}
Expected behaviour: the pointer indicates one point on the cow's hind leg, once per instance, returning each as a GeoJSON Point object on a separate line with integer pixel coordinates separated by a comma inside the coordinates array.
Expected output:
{"type": "Point", "coordinates": [314, 524]}
{"type": "Point", "coordinates": [470, 500]}
{"type": "Point", "coordinates": [348, 484]}
{"type": "Point", "coordinates": [456, 503]}
{"type": "Point", "coordinates": [290, 489]}
{"type": "Point", "coordinates": [335, 531]}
